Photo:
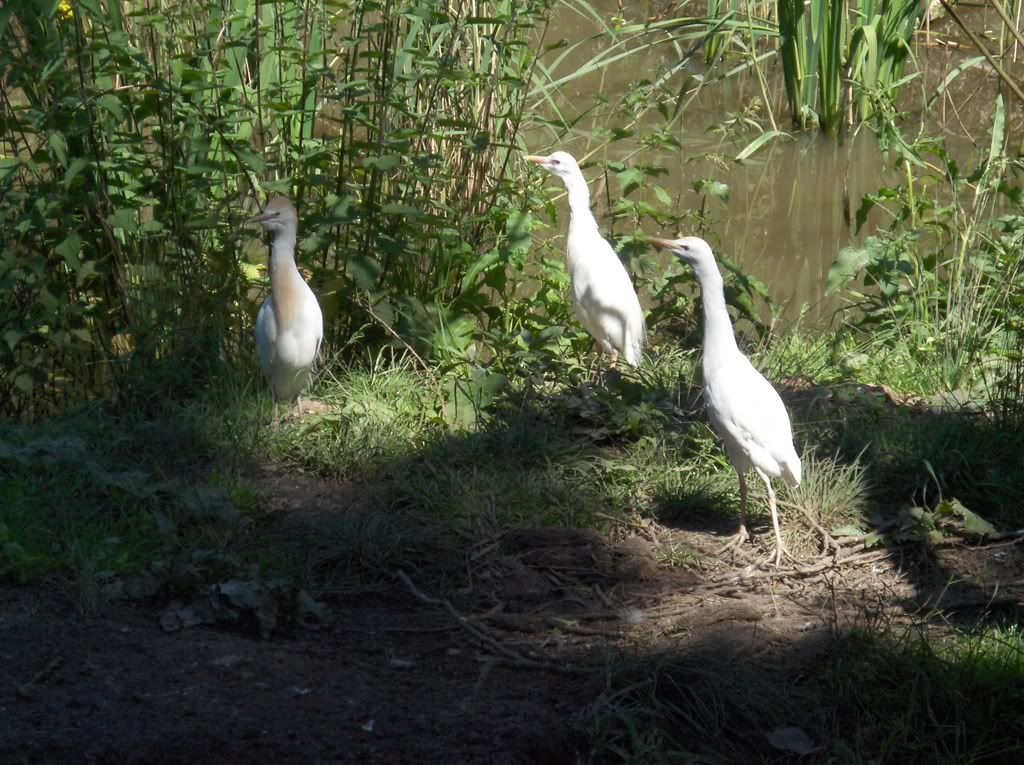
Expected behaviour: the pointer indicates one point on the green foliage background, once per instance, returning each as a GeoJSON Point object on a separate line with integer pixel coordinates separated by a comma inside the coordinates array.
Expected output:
{"type": "Point", "coordinates": [133, 131]}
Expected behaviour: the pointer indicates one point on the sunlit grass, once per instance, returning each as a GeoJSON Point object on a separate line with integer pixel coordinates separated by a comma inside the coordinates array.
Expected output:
{"type": "Point", "coordinates": [884, 695]}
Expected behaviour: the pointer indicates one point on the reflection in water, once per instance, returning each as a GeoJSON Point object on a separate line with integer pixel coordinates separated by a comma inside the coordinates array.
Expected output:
{"type": "Point", "coordinates": [784, 220]}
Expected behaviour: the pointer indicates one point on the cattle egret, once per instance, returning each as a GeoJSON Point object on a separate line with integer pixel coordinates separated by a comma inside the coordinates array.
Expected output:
{"type": "Point", "coordinates": [745, 410]}
{"type": "Point", "coordinates": [602, 292]}
{"type": "Point", "coordinates": [289, 326]}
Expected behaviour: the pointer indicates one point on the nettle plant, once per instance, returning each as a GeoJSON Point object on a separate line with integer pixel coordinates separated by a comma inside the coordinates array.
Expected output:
{"type": "Point", "coordinates": [946, 274]}
{"type": "Point", "coordinates": [135, 142]}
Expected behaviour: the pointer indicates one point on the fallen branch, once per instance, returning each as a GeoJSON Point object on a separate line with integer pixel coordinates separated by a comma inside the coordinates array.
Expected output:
{"type": "Point", "coordinates": [481, 633]}
{"type": "Point", "coordinates": [799, 571]}
{"type": "Point", "coordinates": [28, 690]}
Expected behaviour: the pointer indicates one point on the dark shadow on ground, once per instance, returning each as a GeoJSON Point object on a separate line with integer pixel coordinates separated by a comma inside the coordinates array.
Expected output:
{"type": "Point", "coordinates": [514, 639]}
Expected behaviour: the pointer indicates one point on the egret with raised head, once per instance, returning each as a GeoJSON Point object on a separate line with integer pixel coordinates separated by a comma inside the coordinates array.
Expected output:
{"type": "Point", "coordinates": [744, 408]}
{"type": "Point", "coordinates": [290, 325]}
{"type": "Point", "coordinates": [602, 292]}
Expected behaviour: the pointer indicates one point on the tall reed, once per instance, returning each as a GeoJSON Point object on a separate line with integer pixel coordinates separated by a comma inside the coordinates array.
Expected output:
{"type": "Point", "coordinates": [132, 133]}
{"type": "Point", "coordinates": [838, 58]}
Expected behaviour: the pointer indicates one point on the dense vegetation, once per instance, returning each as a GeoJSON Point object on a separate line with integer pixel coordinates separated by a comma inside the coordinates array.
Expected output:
{"type": "Point", "coordinates": [136, 140]}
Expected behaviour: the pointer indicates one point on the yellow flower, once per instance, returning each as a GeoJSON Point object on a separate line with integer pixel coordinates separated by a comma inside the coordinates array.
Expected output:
{"type": "Point", "coordinates": [64, 9]}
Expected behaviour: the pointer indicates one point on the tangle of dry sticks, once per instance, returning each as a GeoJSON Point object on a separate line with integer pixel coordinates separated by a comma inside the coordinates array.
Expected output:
{"type": "Point", "coordinates": [482, 634]}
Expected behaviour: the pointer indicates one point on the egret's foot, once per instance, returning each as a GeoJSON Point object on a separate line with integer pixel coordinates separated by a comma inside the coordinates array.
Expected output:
{"type": "Point", "coordinates": [780, 551]}
{"type": "Point", "coordinates": [310, 406]}
{"type": "Point", "coordinates": [829, 542]}
{"type": "Point", "coordinates": [735, 542]}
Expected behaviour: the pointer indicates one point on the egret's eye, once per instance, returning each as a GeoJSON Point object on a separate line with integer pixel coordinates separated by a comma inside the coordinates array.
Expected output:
{"type": "Point", "coordinates": [554, 162]}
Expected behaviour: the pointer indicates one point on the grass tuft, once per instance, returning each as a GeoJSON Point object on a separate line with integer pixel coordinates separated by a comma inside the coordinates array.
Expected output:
{"type": "Point", "coordinates": [832, 495]}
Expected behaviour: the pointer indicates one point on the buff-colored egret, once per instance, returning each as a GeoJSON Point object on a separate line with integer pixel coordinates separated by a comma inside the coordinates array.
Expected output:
{"type": "Point", "coordinates": [602, 292]}
{"type": "Point", "coordinates": [744, 408]}
{"type": "Point", "coordinates": [290, 325]}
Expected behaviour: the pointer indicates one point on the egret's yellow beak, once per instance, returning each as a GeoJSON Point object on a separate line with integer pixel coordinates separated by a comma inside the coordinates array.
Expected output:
{"type": "Point", "coordinates": [535, 159]}
{"type": "Point", "coordinates": [665, 244]}
{"type": "Point", "coordinates": [262, 217]}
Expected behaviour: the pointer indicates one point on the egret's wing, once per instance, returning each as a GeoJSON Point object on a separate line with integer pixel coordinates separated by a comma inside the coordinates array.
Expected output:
{"type": "Point", "coordinates": [603, 293]}
{"type": "Point", "coordinates": [266, 334]}
{"type": "Point", "coordinates": [313, 318]}
{"type": "Point", "coordinates": [750, 417]}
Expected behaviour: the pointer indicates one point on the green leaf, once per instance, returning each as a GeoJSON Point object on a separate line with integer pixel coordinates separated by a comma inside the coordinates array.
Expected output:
{"type": "Point", "coordinates": [662, 195]}
{"type": "Point", "coordinates": [482, 263]}
{"type": "Point", "coordinates": [518, 229]}
{"type": "Point", "coordinates": [466, 399]}
{"type": "Point", "coordinates": [995, 150]}
{"type": "Point", "coordinates": [848, 265]}
{"type": "Point", "coordinates": [714, 188]}
{"type": "Point", "coordinates": [8, 167]}
{"type": "Point", "coordinates": [69, 251]}
{"type": "Point", "coordinates": [760, 141]}
{"type": "Point", "coordinates": [124, 219]}
{"type": "Point", "coordinates": [847, 530]}
{"type": "Point", "coordinates": [384, 162]}
{"type": "Point", "coordinates": [252, 160]}
{"type": "Point", "coordinates": [630, 179]}
{"type": "Point", "coordinates": [12, 337]}
{"type": "Point", "coordinates": [112, 105]}
{"type": "Point", "coordinates": [250, 271]}
{"type": "Point", "coordinates": [968, 523]}
{"type": "Point", "coordinates": [397, 208]}
{"type": "Point", "coordinates": [365, 271]}
{"type": "Point", "coordinates": [74, 170]}
{"type": "Point", "coordinates": [58, 146]}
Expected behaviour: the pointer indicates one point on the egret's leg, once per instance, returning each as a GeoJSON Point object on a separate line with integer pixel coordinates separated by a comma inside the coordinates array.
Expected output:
{"type": "Point", "coordinates": [597, 364]}
{"type": "Point", "coordinates": [740, 536]}
{"type": "Point", "coordinates": [780, 548]}
{"type": "Point", "coordinates": [299, 400]}
{"type": "Point", "coordinates": [614, 353]}
{"type": "Point", "coordinates": [276, 422]}
{"type": "Point", "coordinates": [742, 533]}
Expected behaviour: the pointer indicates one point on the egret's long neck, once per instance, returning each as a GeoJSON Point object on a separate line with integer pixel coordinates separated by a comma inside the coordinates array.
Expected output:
{"type": "Point", "coordinates": [580, 216]}
{"type": "Point", "coordinates": [719, 340]}
{"type": "Point", "coordinates": [285, 278]}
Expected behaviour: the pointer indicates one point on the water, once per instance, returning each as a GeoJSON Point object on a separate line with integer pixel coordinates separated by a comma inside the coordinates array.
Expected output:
{"type": "Point", "coordinates": [787, 216]}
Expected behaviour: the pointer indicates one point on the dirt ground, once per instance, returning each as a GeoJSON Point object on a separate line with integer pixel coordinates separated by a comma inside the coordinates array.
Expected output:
{"type": "Point", "coordinates": [500, 671]}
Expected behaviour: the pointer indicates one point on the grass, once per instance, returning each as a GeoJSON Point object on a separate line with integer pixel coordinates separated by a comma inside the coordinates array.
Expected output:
{"type": "Point", "coordinates": [903, 695]}
{"type": "Point", "coordinates": [179, 474]}
{"type": "Point", "coordinates": [832, 494]}
{"type": "Point", "coordinates": [883, 695]}
{"type": "Point", "coordinates": [707, 703]}
{"type": "Point", "coordinates": [165, 502]}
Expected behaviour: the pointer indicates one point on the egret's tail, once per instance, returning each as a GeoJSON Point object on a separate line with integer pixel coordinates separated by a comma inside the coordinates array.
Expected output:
{"type": "Point", "coordinates": [791, 470]}
{"type": "Point", "coordinates": [635, 331]}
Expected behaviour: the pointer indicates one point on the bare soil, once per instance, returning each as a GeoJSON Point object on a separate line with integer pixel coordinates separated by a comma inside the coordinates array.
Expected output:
{"type": "Point", "coordinates": [500, 670]}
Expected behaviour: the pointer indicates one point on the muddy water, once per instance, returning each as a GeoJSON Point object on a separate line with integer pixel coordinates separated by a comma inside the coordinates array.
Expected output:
{"type": "Point", "coordinates": [784, 220]}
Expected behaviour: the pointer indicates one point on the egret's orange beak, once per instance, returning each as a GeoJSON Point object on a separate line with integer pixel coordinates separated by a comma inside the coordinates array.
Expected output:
{"type": "Point", "coordinates": [261, 217]}
{"type": "Point", "coordinates": [535, 159]}
{"type": "Point", "coordinates": [665, 244]}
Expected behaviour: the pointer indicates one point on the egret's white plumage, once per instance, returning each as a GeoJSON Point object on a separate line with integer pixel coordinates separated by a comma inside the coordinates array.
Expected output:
{"type": "Point", "coordinates": [602, 292]}
{"type": "Point", "coordinates": [744, 409]}
{"type": "Point", "coordinates": [290, 325]}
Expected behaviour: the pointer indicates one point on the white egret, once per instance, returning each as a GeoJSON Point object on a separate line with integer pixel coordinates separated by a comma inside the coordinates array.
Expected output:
{"type": "Point", "coordinates": [745, 410]}
{"type": "Point", "coordinates": [290, 325]}
{"type": "Point", "coordinates": [602, 292]}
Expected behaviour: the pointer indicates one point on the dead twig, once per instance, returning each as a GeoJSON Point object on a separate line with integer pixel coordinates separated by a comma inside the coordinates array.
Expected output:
{"type": "Point", "coordinates": [480, 633]}
{"type": "Point", "coordinates": [827, 539]}
{"type": "Point", "coordinates": [567, 625]}
{"type": "Point", "coordinates": [799, 571]}
{"type": "Point", "coordinates": [28, 690]}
